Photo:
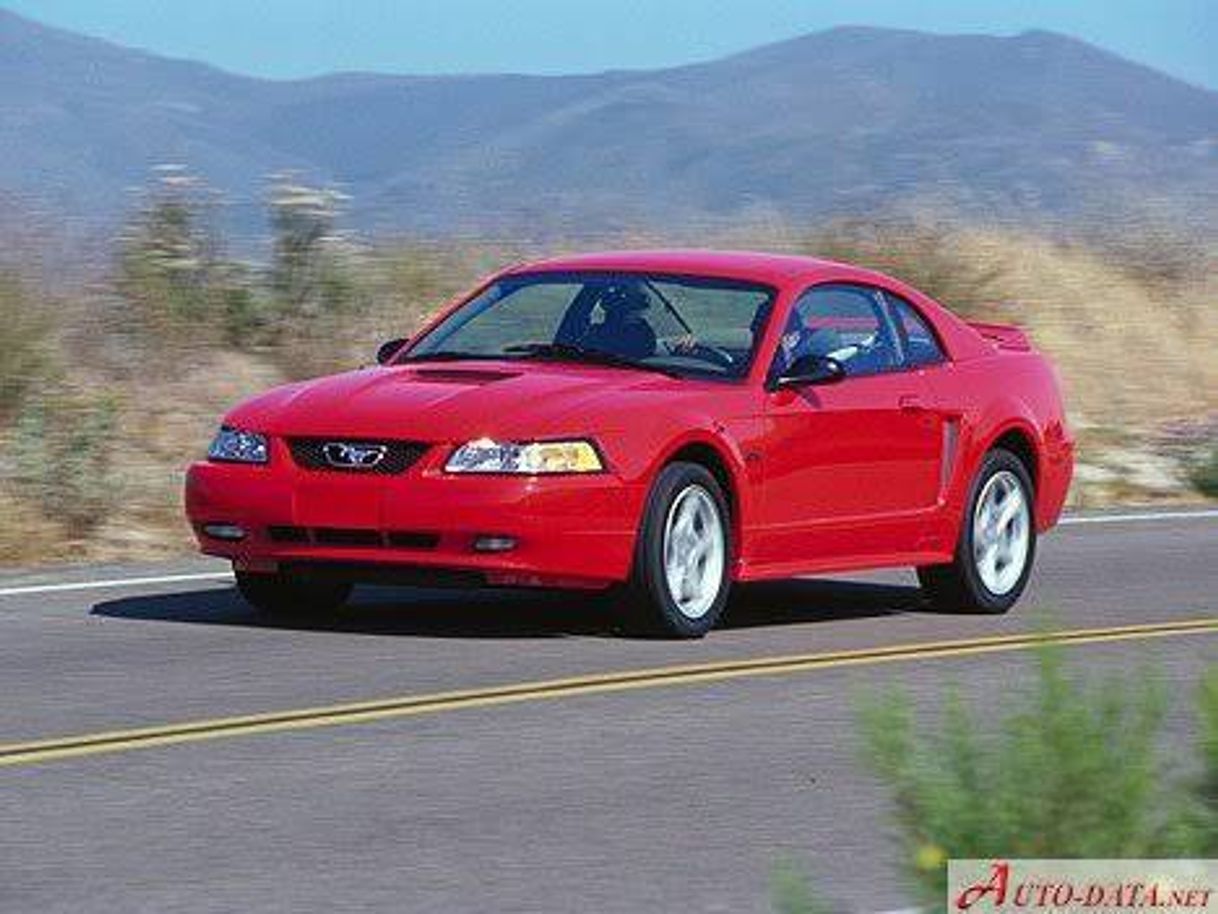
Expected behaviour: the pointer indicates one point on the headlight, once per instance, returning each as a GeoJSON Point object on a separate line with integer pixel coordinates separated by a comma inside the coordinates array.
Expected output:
{"type": "Point", "coordinates": [235, 446]}
{"type": "Point", "coordinates": [525, 457]}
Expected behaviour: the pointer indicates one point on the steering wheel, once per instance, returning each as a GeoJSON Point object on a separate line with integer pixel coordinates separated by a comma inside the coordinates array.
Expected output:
{"type": "Point", "coordinates": [705, 351]}
{"type": "Point", "coordinates": [874, 353]}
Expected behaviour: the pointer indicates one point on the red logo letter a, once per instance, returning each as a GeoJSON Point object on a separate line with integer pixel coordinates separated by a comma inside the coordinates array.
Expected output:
{"type": "Point", "coordinates": [999, 875]}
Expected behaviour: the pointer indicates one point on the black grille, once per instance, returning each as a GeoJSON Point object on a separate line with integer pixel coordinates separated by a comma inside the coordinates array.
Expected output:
{"type": "Point", "coordinates": [285, 534]}
{"type": "Point", "coordinates": [400, 539]}
{"type": "Point", "coordinates": [310, 453]}
{"type": "Point", "coordinates": [354, 536]}
{"type": "Point", "coordinates": [342, 536]}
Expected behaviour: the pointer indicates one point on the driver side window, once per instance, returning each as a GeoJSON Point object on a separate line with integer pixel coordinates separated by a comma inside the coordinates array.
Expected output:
{"type": "Point", "coordinates": [843, 322]}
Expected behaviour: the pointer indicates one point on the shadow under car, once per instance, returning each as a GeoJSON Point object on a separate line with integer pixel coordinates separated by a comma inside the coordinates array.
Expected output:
{"type": "Point", "coordinates": [488, 613]}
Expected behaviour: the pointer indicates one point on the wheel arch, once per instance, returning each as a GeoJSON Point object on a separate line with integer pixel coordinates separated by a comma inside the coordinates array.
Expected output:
{"type": "Point", "coordinates": [707, 455]}
{"type": "Point", "coordinates": [1021, 442]}
{"type": "Point", "coordinates": [727, 466]}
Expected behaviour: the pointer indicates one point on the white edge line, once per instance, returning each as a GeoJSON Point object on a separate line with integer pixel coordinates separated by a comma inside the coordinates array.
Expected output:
{"type": "Point", "coordinates": [227, 575]}
{"type": "Point", "coordinates": [115, 582]}
{"type": "Point", "coordinates": [1130, 518]}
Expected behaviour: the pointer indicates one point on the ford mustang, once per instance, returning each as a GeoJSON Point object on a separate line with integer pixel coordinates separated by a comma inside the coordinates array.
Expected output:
{"type": "Point", "coordinates": [658, 425]}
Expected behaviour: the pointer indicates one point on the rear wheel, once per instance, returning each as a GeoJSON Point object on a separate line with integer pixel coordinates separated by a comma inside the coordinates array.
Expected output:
{"type": "Point", "coordinates": [682, 565]}
{"type": "Point", "coordinates": [997, 542]}
{"type": "Point", "coordinates": [289, 597]}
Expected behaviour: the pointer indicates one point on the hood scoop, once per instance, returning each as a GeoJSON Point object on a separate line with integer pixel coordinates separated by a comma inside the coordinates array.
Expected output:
{"type": "Point", "coordinates": [473, 376]}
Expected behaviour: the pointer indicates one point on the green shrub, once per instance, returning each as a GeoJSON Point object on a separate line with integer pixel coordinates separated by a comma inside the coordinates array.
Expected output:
{"type": "Point", "coordinates": [790, 892]}
{"type": "Point", "coordinates": [170, 272]}
{"type": "Point", "coordinates": [1206, 787]}
{"type": "Point", "coordinates": [314, 291]}
{"type": "Point", "coordinates": [1066, 770]}
{"type": "Point", "coordinates": [309, 270]}
{"type": "Point", "coordinates": [1203, 474]}
{"type": "Point", "coordinates": [1069, 771]}
{"type": "Point", "coordinates": [25, 344]}
{"type": "Point", "coordinates": [58, 456]}
{"type": "Point", "coordinates": [245, 316]}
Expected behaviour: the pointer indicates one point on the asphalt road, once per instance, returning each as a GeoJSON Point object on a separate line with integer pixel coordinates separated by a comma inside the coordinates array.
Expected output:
{"type": "Point", "coordinates": [656, 795]}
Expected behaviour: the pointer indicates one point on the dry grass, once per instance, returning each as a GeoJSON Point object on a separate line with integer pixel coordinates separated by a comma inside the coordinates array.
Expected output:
{"type": "Point", "coordinates": [27, 535]}
{"type": "Point", "coordinates": [1131, 353]}
{"type": "Point", "coordinates": [1133, 347]}
{"type": "Point", "coordinates": [1135, 336]}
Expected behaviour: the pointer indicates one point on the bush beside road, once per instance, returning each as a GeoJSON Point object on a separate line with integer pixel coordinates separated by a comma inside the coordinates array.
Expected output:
{"type": "Point", "coordinates": [1066, 769]}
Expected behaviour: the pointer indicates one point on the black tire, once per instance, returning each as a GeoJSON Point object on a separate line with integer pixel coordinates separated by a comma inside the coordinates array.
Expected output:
{"type": "Point", "coordinates": [282, 596]}
{"type": "Point", "coordinates": [647, 604]}
{"type": "Point", "coordinates": [958, 586]}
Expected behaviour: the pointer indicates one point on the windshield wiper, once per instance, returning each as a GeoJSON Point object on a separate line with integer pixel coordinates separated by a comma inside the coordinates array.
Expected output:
{"type": "Point", "coordinates": [669, 307]}
{"type": "Point", "coordinates": [573, 352]}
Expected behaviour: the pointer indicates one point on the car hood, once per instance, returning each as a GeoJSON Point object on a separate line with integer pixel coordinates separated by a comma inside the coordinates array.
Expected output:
{"type": "Point", "coordinates": [437, 402]}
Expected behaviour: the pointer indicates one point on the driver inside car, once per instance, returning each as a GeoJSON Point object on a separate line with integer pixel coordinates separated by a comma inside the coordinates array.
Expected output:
{"type": "Point", "coordinates": [624, 330]}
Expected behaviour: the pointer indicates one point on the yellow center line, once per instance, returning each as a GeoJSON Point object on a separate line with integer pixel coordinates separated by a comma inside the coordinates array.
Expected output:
{"type": "Point", "coordinates": [84, 744]}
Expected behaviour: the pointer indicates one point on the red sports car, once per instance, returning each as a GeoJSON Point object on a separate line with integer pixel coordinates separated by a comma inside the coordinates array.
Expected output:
{"type": "Point", "coordinates": [659, 423]}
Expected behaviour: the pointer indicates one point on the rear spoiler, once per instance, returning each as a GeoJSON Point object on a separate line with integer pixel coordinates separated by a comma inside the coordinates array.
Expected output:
{"type": "Point", "coordinates": [1003, 336]}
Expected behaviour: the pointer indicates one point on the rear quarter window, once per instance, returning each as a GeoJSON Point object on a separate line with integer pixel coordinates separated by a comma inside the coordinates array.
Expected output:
{"type": "Point", "coordinates": [919, 342]}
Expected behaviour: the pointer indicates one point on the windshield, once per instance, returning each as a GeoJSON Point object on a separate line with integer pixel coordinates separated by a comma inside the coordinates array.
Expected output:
{"type": "Point", "coordinates": [677, 325]}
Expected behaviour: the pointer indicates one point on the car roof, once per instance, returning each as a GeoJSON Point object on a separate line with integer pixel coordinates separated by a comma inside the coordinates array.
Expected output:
{"type": "Point", "coordinates": [776, 269]}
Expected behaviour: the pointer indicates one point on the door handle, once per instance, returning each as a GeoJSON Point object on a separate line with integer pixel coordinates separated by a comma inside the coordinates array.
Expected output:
{"type": "Point", "coordinates": [911, 403]}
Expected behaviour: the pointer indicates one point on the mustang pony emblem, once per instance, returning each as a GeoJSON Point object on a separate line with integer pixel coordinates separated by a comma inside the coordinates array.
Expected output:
{"type": "Point", "coordinates": [353, 456]}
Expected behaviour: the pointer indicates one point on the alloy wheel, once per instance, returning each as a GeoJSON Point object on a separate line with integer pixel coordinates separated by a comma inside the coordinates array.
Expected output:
{"type": "Point", "coordinates": [694, 551]}
{"type": "Point", "coordinates": [1002, 524]}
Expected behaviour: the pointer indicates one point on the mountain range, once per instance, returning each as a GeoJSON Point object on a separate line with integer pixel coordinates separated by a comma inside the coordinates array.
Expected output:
{"type": "Point", "coordinates": [1033, 126]}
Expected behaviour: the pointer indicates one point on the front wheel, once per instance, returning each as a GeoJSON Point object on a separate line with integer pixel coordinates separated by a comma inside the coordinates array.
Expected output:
{"type": "Point", "coordinates": [682, 565]}
{"type": "Point", "coordinates": [997, 542]}
{"type": "Point", "coordinates": [284, 596]}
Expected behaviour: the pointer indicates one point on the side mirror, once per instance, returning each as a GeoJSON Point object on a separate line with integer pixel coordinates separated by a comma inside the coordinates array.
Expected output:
{"type": "Point", "coordinates": [389, 349]}
{"type": "Point", "coordinates": [811, 369]}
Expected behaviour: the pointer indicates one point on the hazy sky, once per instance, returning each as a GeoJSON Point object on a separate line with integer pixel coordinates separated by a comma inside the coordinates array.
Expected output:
{"type": "Point", "coordinates": [288, 38]}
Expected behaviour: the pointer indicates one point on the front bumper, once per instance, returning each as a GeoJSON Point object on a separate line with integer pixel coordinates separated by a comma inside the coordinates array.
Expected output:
{"type": "Point", "coordinates": [568, 531]}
